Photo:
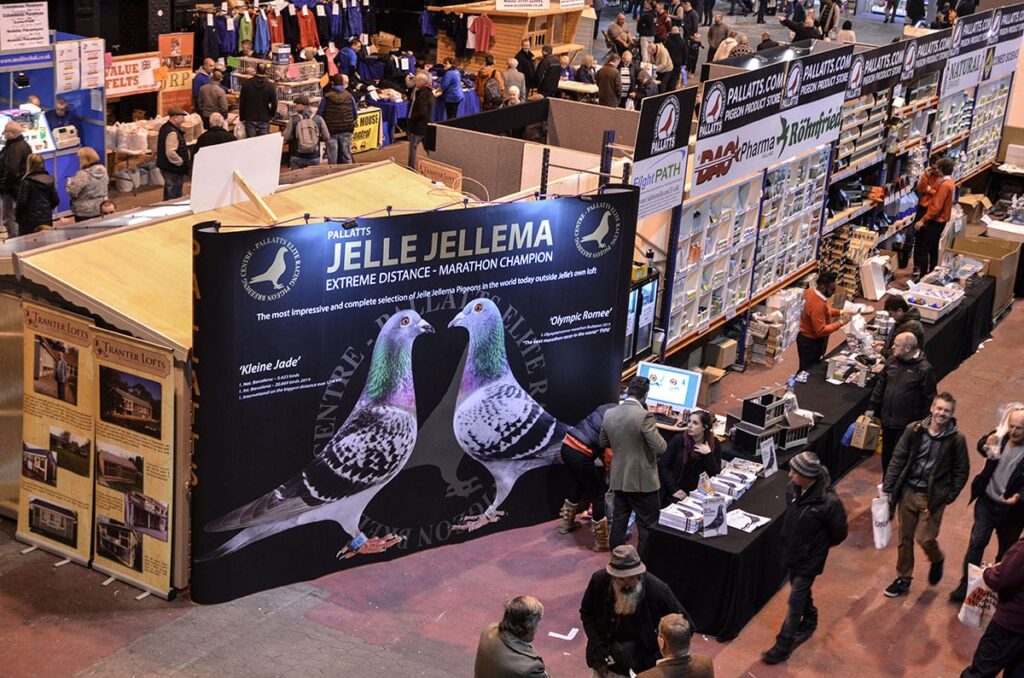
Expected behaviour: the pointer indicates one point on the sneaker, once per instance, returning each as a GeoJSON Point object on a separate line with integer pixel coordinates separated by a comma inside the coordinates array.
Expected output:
{"type": "Point", "coordinates": [777, 654]}
{"type": "Point", "coordinates": [958, 594]}
{"type": "Point", "coordinates": [935, 572]}
{"type": "Point", "coordinates": [899, 587]}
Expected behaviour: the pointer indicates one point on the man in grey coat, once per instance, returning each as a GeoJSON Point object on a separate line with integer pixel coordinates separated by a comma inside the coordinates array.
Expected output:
{"type": "Point", "coordinates": [506, 648]}
{"type": "Point", "coordinates": [632, 433]}
{"type": "Point", "coordinates": [513, 78]}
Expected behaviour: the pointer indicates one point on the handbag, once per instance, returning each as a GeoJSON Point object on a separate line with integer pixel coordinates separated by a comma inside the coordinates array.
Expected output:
{"type": "Point", "coordinates": [980, 603]}
{"type": "Point", "coordinates": [881, 524]}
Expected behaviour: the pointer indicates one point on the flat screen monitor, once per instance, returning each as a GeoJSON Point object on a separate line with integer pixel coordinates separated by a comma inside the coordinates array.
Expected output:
{"type": "Point", "coordinates": [670, 386]}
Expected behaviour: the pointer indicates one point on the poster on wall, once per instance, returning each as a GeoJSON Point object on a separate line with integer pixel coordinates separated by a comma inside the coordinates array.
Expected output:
{"type": "Point", "coordinates": [91, 59]}
{"type": "Point", "coordinates": [134, 468]}
{"type": "Point", "coordinates": [57, 449]}
{"type": "Point", "coordinates": [967, 49]}
{"type": "Point", "coordinates": [176, 59]}
{"type": "Point", "coordinates": [372, 388]}
{"type": "Point", "coordinates": [738, 128]}
{"type": "Point", "coordinates": [661, 180]}
{"type": "Point", "coordinates": [1004, 39]}
{"type": "Point", "coordinates": [132, 74]}
{"type": "Point", "coordinates": [812, 101]}
{"type": "Point", "coordinates": [24, 25]}
{"type": "Point", "coordinates": [664, 124]}
{"type": "Point", "coordinates": [876, 69]}
{"type": "Point", "coordinates": [68, 73]}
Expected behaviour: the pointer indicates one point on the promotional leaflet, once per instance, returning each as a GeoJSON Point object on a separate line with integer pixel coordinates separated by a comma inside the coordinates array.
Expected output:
{"type": "Point", "coordinates": [966, 53]}
{"type": "Point", "coordinates": [372, 387]}
{"type": "Point", "coordinates": [1005, 33]}
{"type": "Point", "coordinates": [926, 54]}
{"type": "Point", "coordinates": [664, 124]}
{"type": "Point", "coordinates": [68, 73]}
{"type": "Point", "coordinates": [737, 133]}
{"type": "Point", "coordinates": [55, 508]}
{"type": "Point", "coordinates": [661, 180]}
{"type": "Point", "coordinates": [876, 69]}
{"type": "Point", "coordinates": [24, 25]}
{"type": "Point", "coordinates": [91, 56]}
{"type": "Point", "coordinates": [176, 59]}
{"type": "Point", "coordinates": [134, 460]}
{"type": "Point", "coordinates": [812, 101]}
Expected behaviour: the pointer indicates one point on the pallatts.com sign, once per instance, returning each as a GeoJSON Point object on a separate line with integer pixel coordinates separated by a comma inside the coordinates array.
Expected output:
{"type": "Point", "coordinates": [738, 127]}
{"type": "Point", "coordinates": [876, 69]}
{"type": "Point", "coordinates": [966, 53]}
{"type": "Point", "coordinates": [1004, 35]}
{"type": "Point", "coordinates": [812, 101]}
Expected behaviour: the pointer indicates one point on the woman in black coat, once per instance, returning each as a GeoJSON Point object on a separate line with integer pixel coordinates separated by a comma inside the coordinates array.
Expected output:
{"type": "Point", "coordinates": [37, 197]}
{"type": "Point", "coordinates": [689, 454]}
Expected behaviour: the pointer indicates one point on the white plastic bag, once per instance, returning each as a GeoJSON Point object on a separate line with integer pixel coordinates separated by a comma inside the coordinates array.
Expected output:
{"type": "Point", "coordinates": [880, 522]}
{"type": "Point", "coordinates": [980, 603]}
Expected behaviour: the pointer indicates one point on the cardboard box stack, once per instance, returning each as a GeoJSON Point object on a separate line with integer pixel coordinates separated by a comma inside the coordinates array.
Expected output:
{"type": "Point", "coordinates": [775, 327]}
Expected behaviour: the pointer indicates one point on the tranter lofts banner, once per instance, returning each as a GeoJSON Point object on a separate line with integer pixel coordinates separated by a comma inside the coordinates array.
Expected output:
{"type": "Point", "coordinates": [367, 390]}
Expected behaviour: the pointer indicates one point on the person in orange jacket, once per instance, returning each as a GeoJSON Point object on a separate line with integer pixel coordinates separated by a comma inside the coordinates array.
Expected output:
{"type": "Point", "coordinates": [816, 321]}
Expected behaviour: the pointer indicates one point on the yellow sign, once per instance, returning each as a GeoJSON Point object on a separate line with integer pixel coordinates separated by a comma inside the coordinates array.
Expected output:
{"type": "Point", "coordinates": [366, 136]}
{"type": "Point", "coordinates": [57, 447]}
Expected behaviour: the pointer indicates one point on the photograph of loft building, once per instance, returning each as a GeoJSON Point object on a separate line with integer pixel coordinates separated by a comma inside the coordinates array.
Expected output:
{"type": "Point", "coordinates": [118, 469]}
{"type": "Point", "coordinates": [52, 521]}
{"type": "Point", "coordinates": [72, 451]}
{"type": "Point", "coordinates": [130, 401]}
{"type": "Point", "coordinates": [118, 542]}
{"type": "Point", "coordinates": [39, 464]}
{"type": "Point", "coordinates": [145, 514]}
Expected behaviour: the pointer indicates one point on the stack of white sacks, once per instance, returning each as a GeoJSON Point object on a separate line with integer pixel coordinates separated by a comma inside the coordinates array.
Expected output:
{"type": "Point", "coordinates": [733, 481]}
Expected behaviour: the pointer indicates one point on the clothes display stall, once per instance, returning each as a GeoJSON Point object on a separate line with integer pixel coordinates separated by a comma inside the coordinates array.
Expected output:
{"type": "Point", "coordinates": [65, 74]}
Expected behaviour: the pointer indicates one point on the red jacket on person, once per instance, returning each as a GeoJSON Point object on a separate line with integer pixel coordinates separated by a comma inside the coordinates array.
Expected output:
{"type": "Point", "coordinates": [814, 321]}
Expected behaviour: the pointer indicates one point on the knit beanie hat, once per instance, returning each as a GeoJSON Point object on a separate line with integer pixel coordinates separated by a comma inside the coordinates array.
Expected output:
{"type": "Point", "coordinates": [806, 464]}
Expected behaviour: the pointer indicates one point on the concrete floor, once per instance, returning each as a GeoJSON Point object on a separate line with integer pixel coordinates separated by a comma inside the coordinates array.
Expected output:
{"type": "Point", "coordinates": [420, 615]}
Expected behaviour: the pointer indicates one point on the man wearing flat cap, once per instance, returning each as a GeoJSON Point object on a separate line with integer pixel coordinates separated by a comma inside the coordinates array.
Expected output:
{"type": "Point", "coordinates": [172, 156]}
{"type": "Point", "coordinates": [621, 609]}
{"type": "Point", "coordinates": [814, 522]}
{"type": "Point", "coordinates": [632, 433]}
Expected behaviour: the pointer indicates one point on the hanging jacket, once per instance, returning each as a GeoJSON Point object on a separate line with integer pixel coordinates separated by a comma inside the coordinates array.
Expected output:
{"type": "Point", "coordinates": [245, 30]}
{"type": "Point", "coordinates": [307, 29]}
{"type": "Point", "coordinates": [290, 25]}
{"type": "Point", "coordinates": [275, 27]}
{"type": "Point", "coordinates": [227, 42]}
{"type": "Point", "coordinates": [904, 390]}
{"type": "Point", "coordinates": [323, 26]}
{"type": "Point", "coordinates": [87, 190]}
{"type": "Point", "coordinates": [261, 35]}
{"type": "Point", "coordinates": [948, 475]}
{"type": "Point", "coordinates": [814, 522]}
{"type": "Point", "coordinates": [37, 198]}
{"type": "Point", "coordinates": [355, 20]}
{"type": "Point", "coordinates": [207, 39]}
{"type": "Point", "coordinates": [337, 19]}
{"type": "Point", "coordinates": [369, 17]}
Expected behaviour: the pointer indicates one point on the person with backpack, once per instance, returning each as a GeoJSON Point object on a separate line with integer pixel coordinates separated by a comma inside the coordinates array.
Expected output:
{"type": "Point", "coordinates": [37, 197]}
{"type": "Point", "coordinates": [304, 132]}
{"type": "Point", "coordinates": [489, 86]}
{"type": "Point", "coordinates": [340, 111]}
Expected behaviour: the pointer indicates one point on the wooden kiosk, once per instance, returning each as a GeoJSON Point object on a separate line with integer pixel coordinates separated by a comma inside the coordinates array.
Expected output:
{"type": "Point", "coordinates": [554, 26]}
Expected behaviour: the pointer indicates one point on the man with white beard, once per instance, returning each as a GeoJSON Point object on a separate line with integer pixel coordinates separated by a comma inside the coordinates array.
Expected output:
{"type": "Point", "coordinates": [620, 612]}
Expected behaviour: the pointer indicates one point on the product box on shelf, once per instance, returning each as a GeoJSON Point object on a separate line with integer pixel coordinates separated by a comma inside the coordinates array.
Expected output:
{"type": "Point", "coordinates": [1001, 259]}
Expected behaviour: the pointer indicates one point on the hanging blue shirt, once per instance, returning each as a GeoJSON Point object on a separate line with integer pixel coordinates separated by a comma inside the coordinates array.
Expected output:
{"type": "Point", "coordinates": [336, 18]}
{"type": "Point", "coordinates": [355, 21]}
{"type": "Point", "coordinates": [261, 35]}
{"type": "Point", "coordinates": [227, 40]}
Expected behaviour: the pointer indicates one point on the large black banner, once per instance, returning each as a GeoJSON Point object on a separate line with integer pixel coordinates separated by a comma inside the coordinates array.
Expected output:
{"type": "Point", "coordinates": [1004, 39]}
{"type": "Point", "coordinates": [876, 69]}
{"type": "Point", "coordinates": [926, 54]}
{"type": "Point", "coordinates": [380, 386]}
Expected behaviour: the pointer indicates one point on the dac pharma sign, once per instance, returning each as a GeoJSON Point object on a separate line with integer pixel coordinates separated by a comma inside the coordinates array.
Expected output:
{"type": "Point", "coordinates": [737, 131]}
{"type": "Point", "coordinates": [661, 181]}
{"type": "Point", "coordinates": [966, 53]}
{"type": "Point", "coordinates": [1004, 36]}
{"type": "Point", "coordinates": [812, 101]}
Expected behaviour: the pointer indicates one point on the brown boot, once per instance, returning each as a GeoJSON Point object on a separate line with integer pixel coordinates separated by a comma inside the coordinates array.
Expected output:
{"type": "Point", "coordinates": [600, 529]}
{"type": "Point", "coordinates": [568, 516]}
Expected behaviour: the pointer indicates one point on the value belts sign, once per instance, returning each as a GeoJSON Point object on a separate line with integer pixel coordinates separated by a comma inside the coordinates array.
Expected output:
{"type": "Point", "coordinates": [966, 53]}
{"type": "Point", "coordinates": [812, 101]}
{"type": "Point", "coordinates": [1004, 43]}
{"type": "Point", "coordinates": [876, 69]}
{"type": "Point", "coordinates": [369, 389]}
{"type": "Point", "coordinates": [664, 123]}
{"type": "Point", "coordinates": [737, 132]}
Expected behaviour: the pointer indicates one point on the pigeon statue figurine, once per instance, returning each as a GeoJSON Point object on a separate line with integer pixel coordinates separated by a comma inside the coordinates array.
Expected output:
{"type": "Point", "coordinates": [496, 421]}
{"type": "Point", "coordinates": [365, 454]}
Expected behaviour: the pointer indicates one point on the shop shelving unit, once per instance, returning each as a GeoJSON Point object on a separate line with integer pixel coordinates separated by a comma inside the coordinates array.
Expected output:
{"type": "Point", "coordinates": [714, 257]}
{"type": "Point", "coordinates": [862, 136]}
{"type": "Point", "coordinates": [791, 213]}
{"type": "Point", "coordinates": [987, 127]}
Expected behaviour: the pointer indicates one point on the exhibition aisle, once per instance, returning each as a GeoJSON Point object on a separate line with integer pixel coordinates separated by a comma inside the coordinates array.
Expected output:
{"type": "Point", "coordinates": [421, 615]}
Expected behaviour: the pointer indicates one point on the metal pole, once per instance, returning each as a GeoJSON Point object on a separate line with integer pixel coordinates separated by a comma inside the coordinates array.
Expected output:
{"type": "Point", "coordinates": [545, 161]}
{"type": "Point", "coordinates": [606, 156]}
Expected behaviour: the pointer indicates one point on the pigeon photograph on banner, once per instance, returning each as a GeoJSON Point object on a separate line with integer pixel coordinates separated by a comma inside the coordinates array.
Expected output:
{"type": "Point", "coordinates": [368, 389]}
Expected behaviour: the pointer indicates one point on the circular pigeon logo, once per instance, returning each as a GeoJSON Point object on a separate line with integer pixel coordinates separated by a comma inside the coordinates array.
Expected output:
{"type": "Point", "coordinates": [668, 120]}
{"type": "Point", "coordinates": [791, 92]}
{"type": "Point", "coordinates": [910, 60]}
{"type": "Point", "coordinates": [856, 74]}
{"type": "Point", "coordinates": [997, 23]}
{"type": "Point", "coordinates": [270, 269]}
{"type": "Point", "coordinates": [714, 104]}
{"type": "Point", "coordinates": [597, 230]}
{"type": "Point", "coordinates": [958, 31]}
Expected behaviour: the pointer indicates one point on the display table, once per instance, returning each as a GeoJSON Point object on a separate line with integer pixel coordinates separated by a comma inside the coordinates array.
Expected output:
{"type": "Point", "coordinates": [394, 111]}
{"type": "Point", "coordinates": [723, 581]}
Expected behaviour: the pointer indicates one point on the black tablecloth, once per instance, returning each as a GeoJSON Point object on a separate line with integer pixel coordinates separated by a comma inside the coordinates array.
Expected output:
{"type": "Point", "coordinates": [723, 581]}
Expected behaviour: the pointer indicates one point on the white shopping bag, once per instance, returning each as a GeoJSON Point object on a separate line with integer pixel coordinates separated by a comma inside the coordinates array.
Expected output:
{"type": "Point", "coordinates": [880, 521]}
{"type": "Point", "coordinates": [980, 603]}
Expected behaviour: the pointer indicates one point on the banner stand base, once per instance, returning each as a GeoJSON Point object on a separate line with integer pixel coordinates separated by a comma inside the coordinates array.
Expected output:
{"type": "Point", "coordinates": [168, 595]}
{"type": "Point", "coordinates": [68, 556]}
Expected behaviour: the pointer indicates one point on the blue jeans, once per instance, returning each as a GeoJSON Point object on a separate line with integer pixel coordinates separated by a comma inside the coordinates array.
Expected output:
{"type": "Point", "coordinates": [414, 141]}
{"type": "Point", "coordinates": [256, 129]}
{"type": "Point", "coordinates": [298, 162]}
{"type": "Point", "coordinates": [339, 147]}
{"type": "Point", "coordinates": [173, 185]}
